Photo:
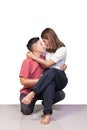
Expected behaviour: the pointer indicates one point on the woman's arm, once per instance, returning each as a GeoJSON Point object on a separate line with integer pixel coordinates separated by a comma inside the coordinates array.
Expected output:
{"type": "Point", "coordinates": [45, 62]}
{"type": "Point", "coordinates": [28, 82]}
{"type": "Point", "coordinates": [39, 60]}
{"type": "Point", "coordinates": [63, 67]}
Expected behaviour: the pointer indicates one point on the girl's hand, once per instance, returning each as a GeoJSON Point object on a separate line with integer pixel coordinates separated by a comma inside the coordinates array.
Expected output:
{"type": "Point", "coordinates": [63, 67]}
{"type": "Point", "coordinates": [29, 55]}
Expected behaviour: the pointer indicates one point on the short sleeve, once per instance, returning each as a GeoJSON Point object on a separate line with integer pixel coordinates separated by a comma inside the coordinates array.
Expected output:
{"type": "Point", "coordinates": [60, 54]}
{"type": "Point", "coordinates": [24, 72]}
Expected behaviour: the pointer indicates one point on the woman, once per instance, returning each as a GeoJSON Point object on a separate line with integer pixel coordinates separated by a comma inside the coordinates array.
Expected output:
{"type": "Point", "coordinates": [54, 78]}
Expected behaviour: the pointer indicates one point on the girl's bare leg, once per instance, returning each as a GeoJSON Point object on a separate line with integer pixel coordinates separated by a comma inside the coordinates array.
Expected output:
{"type": "Point", "coordinates": [28, 98]}
{"type": "Point", "coordinates": [46, 119]}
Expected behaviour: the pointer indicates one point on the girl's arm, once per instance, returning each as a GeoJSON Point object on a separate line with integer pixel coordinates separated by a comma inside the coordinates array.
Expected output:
{"type": "Point", "coordinates": [45, 62]}
{"type": "Point", "coordinates": [63, 67]}
{"type": "Point", "coordinates": [39, 60]}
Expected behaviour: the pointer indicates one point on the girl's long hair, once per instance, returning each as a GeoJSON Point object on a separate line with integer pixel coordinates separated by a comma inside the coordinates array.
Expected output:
{"type": "Point", "coordinates": [50, 35]}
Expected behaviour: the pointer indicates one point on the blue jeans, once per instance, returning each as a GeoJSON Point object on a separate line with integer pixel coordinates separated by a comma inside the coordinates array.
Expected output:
{"type": "Point", "coordinates": [48, 89]}
{"type": "Point", "coordinates": [52, 80]}
{"type": "Point", "coordinates": [51, 77]}
{"type": "Point", "coordinates": [28, 109]}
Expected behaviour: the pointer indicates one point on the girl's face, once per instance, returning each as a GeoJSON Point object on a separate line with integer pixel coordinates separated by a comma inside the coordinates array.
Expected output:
{"type": "Point", "coordinates": [47, 43]}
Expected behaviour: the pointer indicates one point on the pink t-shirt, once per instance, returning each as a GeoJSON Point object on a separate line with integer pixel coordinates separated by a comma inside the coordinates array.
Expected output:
{"type": "Point", "coordinates": [30, 69]}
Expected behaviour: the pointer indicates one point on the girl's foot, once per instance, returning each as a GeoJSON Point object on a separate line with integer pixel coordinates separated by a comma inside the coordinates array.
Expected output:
{"type": "Point", "coordinates": [28, 99]}
{"type": "Point", "coordinates": [46, 119]}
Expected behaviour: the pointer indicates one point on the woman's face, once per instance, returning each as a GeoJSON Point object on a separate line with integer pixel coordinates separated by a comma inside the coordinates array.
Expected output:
{"type": "Point", "coordinates": [47, 43]}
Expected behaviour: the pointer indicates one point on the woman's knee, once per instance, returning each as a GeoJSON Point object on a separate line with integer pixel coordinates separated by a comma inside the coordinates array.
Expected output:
{"type": "Point", "coordinates": [59, 96]}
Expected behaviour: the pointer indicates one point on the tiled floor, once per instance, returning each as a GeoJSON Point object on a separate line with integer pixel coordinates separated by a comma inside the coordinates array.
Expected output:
{"type": "Point", "coordinates": [64, 117]}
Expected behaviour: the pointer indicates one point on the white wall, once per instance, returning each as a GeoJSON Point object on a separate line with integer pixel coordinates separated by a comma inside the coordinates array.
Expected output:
{"type": "Point", "coordinates": [22, 19]}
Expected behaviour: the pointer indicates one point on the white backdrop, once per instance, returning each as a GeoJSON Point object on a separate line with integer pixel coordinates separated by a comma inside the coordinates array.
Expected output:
{"type": "Point", "coordinates": [22, 19]}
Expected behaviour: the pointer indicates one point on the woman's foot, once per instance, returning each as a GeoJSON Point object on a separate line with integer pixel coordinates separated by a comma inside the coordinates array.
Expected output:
{"type": "Point", "coordinates": [45, 120]}
{"type": "Point", "coordinates": [28, 99]}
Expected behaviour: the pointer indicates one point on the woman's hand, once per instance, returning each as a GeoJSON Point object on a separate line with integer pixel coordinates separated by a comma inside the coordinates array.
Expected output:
{"type": "Point", "coordinates": [30, 55]}
{"type": "Point", "coordinates": [63, 67]}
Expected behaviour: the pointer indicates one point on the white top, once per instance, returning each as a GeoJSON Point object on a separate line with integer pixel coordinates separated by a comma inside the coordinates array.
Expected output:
{"type": "Point", "coordinates": [59, 57]}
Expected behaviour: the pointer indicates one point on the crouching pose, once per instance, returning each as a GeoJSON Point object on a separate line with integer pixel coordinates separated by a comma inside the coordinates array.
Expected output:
{"type": "Point", "coordinates": [51, 83]}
